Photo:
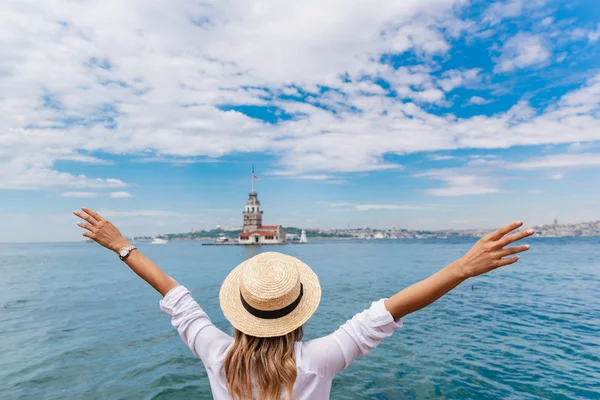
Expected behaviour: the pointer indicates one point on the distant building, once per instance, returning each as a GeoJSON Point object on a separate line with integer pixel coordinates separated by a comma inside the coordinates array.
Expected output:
{"type": "Point", "coordinates": [232, 228]}
{"type": "Point", "coordinates": [254, 232]}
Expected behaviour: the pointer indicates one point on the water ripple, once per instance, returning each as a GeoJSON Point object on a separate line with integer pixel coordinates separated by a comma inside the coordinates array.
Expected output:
{"type": "Point", "coordinates": [527, 332]}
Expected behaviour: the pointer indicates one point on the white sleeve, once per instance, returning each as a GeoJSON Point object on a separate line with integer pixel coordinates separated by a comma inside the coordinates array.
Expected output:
{"type": "Point", "coordinates": [365, 331]}
{"type": "Point", "coordinates": [331, 354]}
{"type": "Point", "coordinates": [196, 330]}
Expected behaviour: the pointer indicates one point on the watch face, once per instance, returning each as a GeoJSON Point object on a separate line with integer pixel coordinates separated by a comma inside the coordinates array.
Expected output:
{"type": "Point", "coordinates": [123, 252]}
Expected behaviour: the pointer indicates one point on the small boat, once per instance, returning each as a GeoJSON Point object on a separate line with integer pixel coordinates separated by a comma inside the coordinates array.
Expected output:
{"type": "Point", "coordinates": [159, 240]}
{"type": "Point", "coordinates": [222, 239]}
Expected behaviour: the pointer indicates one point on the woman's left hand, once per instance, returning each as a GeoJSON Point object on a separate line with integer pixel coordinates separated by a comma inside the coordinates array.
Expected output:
{"type": "Point", "coordinates": [491, 251]}
{"type": "Point", "coordinates": [101, 230]}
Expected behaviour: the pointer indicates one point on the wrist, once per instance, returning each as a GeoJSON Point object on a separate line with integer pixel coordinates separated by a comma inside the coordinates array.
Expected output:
{"type": "Point", "coordinates": [118, 245]}
{"type": "Point", "coordinates": [460, 269]}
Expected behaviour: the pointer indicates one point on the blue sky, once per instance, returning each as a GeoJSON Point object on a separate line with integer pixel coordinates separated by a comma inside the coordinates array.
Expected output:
{"type": "Point", "coordinates": [417, 114]}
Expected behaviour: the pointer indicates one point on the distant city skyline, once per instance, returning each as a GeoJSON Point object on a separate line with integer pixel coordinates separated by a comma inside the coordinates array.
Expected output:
{"type": "Point", "coordinates": [234, 228]}
{"type": "Point", "coordinates": [228, 235]}
{"type": "Point", "coordinates": [420, 114]}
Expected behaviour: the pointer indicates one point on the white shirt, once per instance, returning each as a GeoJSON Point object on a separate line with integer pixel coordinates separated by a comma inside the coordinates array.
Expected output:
{"type": "Point", "coordinates": [318, 361]}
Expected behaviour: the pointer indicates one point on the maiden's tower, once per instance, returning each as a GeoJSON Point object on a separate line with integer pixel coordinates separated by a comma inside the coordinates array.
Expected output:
{"type": "Point", "coordinates": [254, 231]}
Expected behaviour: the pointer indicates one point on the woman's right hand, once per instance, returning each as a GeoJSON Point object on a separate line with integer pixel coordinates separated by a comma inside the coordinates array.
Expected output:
{"type": "Point", "coordinates": [489, 252]}
{"type": "Point", "coordinates": [100, 230]}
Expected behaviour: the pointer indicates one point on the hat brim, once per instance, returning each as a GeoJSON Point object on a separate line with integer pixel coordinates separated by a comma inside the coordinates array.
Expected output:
{"type": "Point", "coordinates": [242, 320]}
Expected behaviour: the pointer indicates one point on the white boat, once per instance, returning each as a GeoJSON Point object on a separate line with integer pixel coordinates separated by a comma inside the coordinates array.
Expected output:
{"type": "Point", "coordinates": [159, 240]}
{"type": "Point", "coordinates": [222, 239]}
{"type": "Point", "coordinates": [292, 237]}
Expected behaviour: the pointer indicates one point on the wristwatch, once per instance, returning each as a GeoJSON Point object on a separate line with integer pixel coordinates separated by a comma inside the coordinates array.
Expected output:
{"type": "Point", "coordinates": [124, 252]}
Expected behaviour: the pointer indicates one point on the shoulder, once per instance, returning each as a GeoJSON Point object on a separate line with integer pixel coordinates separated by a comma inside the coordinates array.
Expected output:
{"type": "Point", "coordinates": [322, 356]}
{"type": "Point", "coordinates": [218, 352]}
{"type": "Point", "coordinates": [330, 354]}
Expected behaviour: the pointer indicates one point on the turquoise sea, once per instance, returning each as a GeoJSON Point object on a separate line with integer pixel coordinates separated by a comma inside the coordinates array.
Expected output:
{"type": "Point", "coordinates": [75, 323]}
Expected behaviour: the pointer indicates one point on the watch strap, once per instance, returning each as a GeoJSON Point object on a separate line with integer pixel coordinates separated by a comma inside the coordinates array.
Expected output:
{"type": "Point", "coordinates": [129, 250]}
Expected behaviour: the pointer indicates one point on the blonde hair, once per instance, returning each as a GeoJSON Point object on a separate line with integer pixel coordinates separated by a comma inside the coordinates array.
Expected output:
{"type": "Point", "coordinates": [268, 362]}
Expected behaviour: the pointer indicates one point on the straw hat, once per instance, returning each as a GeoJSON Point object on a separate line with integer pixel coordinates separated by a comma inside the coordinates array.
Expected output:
{"type": "Point", "coordinates": [270, 294]}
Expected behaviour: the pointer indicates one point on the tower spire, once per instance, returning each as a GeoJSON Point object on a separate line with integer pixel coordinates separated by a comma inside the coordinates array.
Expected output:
{"type": "Point", "coordinates": [253, 178]}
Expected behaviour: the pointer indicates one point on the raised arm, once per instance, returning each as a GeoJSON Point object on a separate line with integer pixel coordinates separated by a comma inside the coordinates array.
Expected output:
{"type": "Point", "coordinates": [193, 325]}
{"type": "Point", "coordinates": [107, 235]}
{"type": "Point", "coordinates": [487, 254]}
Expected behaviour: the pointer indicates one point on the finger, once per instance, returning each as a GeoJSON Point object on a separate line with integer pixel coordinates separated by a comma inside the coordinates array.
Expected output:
{"type": "Point", "coordinates": [514, 250]}
{"type": "Point", "coordinates": [93, 213]}
{"type": "Point", "coordinates": [88, 235]}
{"type": "Point", "coordinates": [505, 241]}
{"type": "Point", "coordinates": [507, 261]}
{"type": "Point", "coordinates": [504, 230]}
{"type": "Point", "coordinates": [86, 226]}
{"type": "Point", "coordinates": [85, 217]}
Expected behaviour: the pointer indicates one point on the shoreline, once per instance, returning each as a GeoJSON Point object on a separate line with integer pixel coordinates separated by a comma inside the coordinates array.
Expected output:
{"type": "Point", "coordinates": [329, 239]}
{"type": "Point", "coordinates": [345, 239]}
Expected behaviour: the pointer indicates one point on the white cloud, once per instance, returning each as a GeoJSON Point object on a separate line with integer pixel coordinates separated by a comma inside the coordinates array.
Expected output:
{"type": "Point", "coordinates": [159, 75]}
{"type": "Point", "coordinates": [455, 78]}
{"type": "Point", "coordinates": [430, 95]}
{"type": "Point", "coordinates": [119, 195]}
{"type": "Point", "coordinates": [575, 147]}
{"type": "Point", "coordinates": [346, 140]}
{"type": "Point", "coordinates": [591, 35]}
{"type": "Point", "coordinates": [440, 157]}
{"type": "Point", "coordinates": [86, 68]}
{"type": "Point", "coordinates": [143, 213]}
{"type": "Point", "coordinates": [468, 220]}
{"type": "Point", "coordinates": [315, 177]}
{"type": "Point", "coordinates": [174, 160]}
{"type": "Point", "coordinates": [322, 178]}
{"type": "Point", "coordinates": [581, 160]}
{"type": "Point", "coordinates": [482, 159]}
{"type": "Point", "coordinates": [25, 173]}
{"type": "Point", "coordinates": [502, 10]}
{"type": "Point", "coordinates": [579, 147]}
{"type": "Point", "coordinates": [459, 184]}
{"type": "Point", "coordinates": [594, 35]}
{"type": "Point", "coordinates": [478, 100]}
{"type": "Point", "coordinates": [480, 174]}
{"type": "Point", "coordinates": [96, 194]}
{"type": "Point", "coordinates": [521, 51]}
{"type": "Point", "coordinates": [578, 34]}
{"type": "Point", "coordinates": [371, 207]}
{"type": "Point", "coordinates": [83, 159]}
{"type": "Point", "coordinates": [83, 195]}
